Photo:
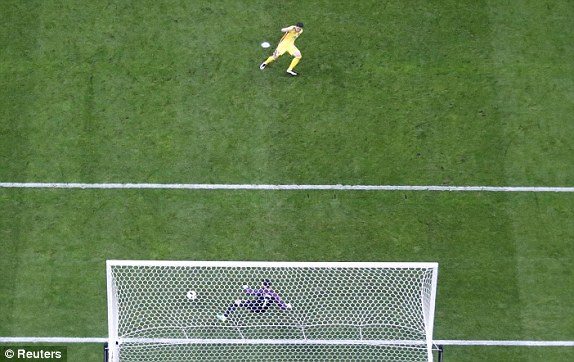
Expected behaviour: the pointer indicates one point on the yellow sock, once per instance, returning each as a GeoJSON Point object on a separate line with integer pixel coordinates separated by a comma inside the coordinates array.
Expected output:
{"type": "Point", "coordinates": [294, 63]}
{"type": "Point", "coordinates": [269, 60]}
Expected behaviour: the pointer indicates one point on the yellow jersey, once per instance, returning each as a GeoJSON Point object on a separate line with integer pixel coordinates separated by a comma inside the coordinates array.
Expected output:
{"type": "Point", "coordinates": [290, 36]}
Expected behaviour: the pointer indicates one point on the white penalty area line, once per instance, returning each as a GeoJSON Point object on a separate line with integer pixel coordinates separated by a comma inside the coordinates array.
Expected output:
{"type": "Point", "coordinates": [338, 187]}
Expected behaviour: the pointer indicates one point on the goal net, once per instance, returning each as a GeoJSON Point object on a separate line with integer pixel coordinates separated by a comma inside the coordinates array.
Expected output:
{"type": "Point", "coordinates": [242, 311]}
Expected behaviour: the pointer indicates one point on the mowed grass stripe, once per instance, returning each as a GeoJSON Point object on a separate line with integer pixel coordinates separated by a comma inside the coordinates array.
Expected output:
{"type": "Point", "coordinates": [19, 27]}
{"type": "Point", "coordinates": [532, 62]}
{"type": "Point", "coordinates": [535, 83]}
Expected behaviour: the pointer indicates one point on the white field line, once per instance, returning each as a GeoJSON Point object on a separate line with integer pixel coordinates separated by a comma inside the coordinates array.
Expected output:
{"type": "Point", "coordinates": [66, 340]}
{"type": "Point", "coordinates": [54, 185]}
{"type": "Point", "coordinates": [505, 343]}
{"type": "Point", "coordinates": [72, 340]}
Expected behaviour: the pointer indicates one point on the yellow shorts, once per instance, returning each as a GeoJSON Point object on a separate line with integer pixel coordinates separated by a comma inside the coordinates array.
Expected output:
{"type": "Point", "coordinates": [289, 48]}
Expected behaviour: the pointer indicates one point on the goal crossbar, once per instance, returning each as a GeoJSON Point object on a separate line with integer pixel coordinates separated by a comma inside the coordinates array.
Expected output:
{"type": "Point", "coordinates": [277, 264]}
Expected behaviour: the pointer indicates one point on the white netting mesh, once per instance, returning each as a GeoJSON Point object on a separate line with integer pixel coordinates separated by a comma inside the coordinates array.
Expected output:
{"type": "Point", "coordinates": [301, 303]}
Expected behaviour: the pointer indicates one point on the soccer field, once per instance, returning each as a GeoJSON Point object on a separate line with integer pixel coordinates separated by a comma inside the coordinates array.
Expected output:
{"type": "Point", "coordinates": [453, 93]}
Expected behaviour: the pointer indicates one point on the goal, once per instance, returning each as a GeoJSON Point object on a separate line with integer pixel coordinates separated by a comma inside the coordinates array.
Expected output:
{"type": "Point", "coordinates": [241, 311]}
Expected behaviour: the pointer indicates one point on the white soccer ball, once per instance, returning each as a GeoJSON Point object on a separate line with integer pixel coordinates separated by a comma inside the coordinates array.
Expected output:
{"type": "Point", "coordinates": [265, 44]}
{"type": "Point", "coordinates": [191, 295]}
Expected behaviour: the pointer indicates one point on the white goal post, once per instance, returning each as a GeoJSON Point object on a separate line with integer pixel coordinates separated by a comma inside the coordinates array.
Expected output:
{"type": "Point", "coordinates": [300, 311]}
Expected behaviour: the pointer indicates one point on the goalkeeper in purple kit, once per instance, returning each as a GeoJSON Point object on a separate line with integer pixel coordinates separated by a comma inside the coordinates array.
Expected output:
{"type": "Point", "coordinates": [265, 297]}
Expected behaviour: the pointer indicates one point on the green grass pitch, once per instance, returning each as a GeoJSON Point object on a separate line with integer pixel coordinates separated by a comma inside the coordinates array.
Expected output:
{"type": "Point", "coordinates": [390, 92]}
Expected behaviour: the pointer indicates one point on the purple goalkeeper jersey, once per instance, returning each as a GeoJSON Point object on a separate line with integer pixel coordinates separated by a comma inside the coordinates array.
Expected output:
{"type": "Point", "coordinates": [265, 296]}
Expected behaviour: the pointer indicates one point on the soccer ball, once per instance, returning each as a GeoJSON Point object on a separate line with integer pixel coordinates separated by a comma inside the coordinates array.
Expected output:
{"type": "Point", "coordinates": [191, 295]}
{"type": "Point", "coordinates": [265, 44]}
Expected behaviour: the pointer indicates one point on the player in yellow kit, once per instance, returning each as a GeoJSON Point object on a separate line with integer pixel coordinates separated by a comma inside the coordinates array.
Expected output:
{"type": "Point", "coordinates": [287, 44]}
